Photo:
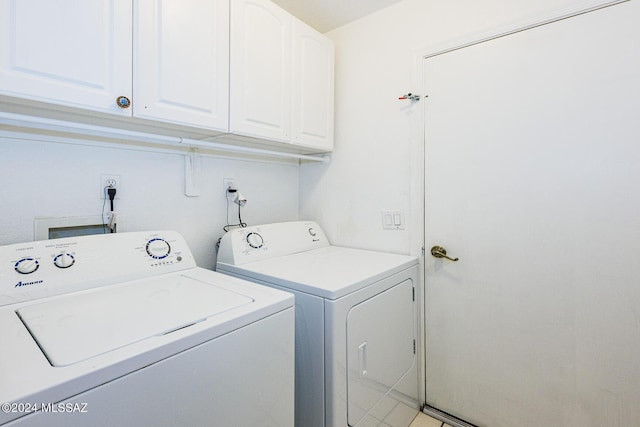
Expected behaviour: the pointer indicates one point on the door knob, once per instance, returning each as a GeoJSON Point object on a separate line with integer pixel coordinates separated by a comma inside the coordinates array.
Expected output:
{"type": "Point", "coordinates": [440, 252]}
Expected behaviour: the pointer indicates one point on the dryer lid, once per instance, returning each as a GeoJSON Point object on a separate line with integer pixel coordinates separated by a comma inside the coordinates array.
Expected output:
{"type": "Point", "coordinates": [330, 272]}
{"type": "Point", "coordinates": [79, 326]}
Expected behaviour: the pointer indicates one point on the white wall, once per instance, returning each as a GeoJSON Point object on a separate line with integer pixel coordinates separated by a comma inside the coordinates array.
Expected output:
{"type": "Point", "coordinates": [377, 160]}
{"type": "Point", "coordinates": [45, 179]}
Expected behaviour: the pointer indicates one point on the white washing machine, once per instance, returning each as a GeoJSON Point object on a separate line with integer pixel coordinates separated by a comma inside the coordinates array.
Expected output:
{"type": "Point", "coordinates": [125, 330]}
{"type": "Point", "coordinates": [356, 362]}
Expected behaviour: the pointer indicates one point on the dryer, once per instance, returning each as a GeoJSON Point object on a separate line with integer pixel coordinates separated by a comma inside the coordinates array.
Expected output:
{"type": "Point", "coordinates": [356, 321]}
{"type": "Point", "coordinates": [124, 329]}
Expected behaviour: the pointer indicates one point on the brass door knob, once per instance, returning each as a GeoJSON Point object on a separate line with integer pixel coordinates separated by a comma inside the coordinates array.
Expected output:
{"type": "Point", "coordinates": [440, 252]}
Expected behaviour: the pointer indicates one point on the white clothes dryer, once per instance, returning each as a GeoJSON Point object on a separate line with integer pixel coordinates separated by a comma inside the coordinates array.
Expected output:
{"type": "Point", "coordinates": [124, 329]}
{"type": "Point", "coordinates": [356, 321]}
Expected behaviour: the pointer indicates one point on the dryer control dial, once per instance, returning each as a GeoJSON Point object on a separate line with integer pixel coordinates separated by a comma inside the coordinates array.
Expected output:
{"type": "Point", "coordinates": [64, 260]}
{"type": "Point", "coordinates": [158, 248]}
{"type": "Point", "coordinates": [26, 266]}
{"type": "Point", "coordinates": [255, 240]}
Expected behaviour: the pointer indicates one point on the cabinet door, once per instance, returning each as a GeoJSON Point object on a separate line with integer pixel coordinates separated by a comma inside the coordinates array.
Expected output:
{"type": "Point", "coordinates": [260, 70]}
{"type": "Point", "coordinates": [181, 62]}
{"type": "Point", "coordinates": [75, 53]}
{"type": "Point", "coordinates": [313, 72]}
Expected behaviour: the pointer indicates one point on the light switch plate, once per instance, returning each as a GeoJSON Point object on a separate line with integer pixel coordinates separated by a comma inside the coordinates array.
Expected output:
{"type": "Point", "coordinates": [393, 220]}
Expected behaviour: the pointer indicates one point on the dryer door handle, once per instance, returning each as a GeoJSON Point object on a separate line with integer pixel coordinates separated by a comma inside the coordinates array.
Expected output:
{"type": "Point", "coordinates": [362, 359]}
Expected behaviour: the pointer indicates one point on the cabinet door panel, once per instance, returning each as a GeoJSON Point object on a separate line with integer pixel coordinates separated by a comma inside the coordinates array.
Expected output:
{"type": "Point", "coordinates": [313, 72]}
{"type": "Point", "coordinates": [67, 52]}
{"type": "Point", "coordinates": [260, 70]}
{"type": "Point", "coordinates": [181, 69]}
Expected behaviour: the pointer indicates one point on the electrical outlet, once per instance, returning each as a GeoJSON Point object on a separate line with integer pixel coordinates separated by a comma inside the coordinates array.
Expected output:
{"type": "Point", "coordinates": [112, 181]}
{"type": "Point", "coordinates": [228, 183]}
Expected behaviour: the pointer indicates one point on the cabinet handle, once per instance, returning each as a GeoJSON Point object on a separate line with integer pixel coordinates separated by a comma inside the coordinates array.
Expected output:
{"type": "Point", "coordinates": [123, 102]}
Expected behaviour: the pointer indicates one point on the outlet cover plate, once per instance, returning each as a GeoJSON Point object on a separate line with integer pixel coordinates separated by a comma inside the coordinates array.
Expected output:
{"type": "Point", "coordinates": [105, 180]}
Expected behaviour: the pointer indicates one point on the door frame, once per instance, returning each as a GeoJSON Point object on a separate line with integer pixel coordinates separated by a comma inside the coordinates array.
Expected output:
{"type": "Point", "coordinates": [418, 145]}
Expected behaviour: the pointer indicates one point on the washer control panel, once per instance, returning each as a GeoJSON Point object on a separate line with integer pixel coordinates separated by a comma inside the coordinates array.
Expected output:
{"type": "Point", "coordinates": [249, 244]}
{"type": "Point", "coordinates": [31, 264]}
{"type": "Point", "coordinates": [51, 267]}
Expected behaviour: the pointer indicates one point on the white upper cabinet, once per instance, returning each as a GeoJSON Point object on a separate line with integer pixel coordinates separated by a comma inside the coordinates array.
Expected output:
{"type": "Point", "coordinates": [260, 100]}
{"type": "Point", "coordinates": [313, 70]}
{"type": "Point", "coordinates": [281, 77]}
{"type": "Point", "coordinates": [68, 52]}
{"type": "Point", "coordinates": [169, 59]}
{"type": "Point", "coordinates": [245, 70]}
{"type": "Point", "coordinates": [181, 68]}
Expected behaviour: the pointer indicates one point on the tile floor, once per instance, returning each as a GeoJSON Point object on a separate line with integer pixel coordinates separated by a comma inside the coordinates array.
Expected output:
{"type": "Point", "coordinates": [423, 420]}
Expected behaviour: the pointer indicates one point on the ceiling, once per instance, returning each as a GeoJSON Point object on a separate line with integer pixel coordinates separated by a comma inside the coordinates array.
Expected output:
{"type": "Point", "coordinates": [325, 15]}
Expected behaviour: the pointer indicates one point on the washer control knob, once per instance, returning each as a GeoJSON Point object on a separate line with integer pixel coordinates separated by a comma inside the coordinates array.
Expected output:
{"type": "Point", "coordinates": [64, 260]}
{"type": "Point", "coordinates": [26, 266]}
{"type": "Point", "coordinates": [255, 240]}
{"type": "Point", "coordinates": [158, 248]}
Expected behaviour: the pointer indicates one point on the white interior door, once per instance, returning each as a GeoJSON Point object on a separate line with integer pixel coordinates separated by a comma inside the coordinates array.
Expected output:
{"type": "Point", "coordinates": [533, 181]}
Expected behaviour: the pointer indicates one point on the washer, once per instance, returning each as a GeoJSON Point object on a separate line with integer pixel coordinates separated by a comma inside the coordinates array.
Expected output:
{"type": "Point", "coordinates": [124, 329]}
{"type": "Point", "coordinates": [356, 362]}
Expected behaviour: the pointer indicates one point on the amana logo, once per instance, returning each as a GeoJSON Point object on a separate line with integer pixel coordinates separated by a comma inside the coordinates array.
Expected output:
{"type": "Point", "coordinates": [21, 283]}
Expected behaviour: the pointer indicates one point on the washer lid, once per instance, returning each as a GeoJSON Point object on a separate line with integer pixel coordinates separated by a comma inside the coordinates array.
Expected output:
{"type": "Point", "coordinates": [79, 326]}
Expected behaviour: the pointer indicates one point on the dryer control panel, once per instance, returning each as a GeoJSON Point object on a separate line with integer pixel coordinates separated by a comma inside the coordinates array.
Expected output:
{"type": "Point", "coordinates": [44, 268]}
{"type": "Point", "coordinates": [249, 244]}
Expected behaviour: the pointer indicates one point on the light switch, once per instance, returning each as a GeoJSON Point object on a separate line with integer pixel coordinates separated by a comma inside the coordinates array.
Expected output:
{"type": "Point", "coordinates": [393, 220]}
{"type": "Point", "coordinates": [387, 219]}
